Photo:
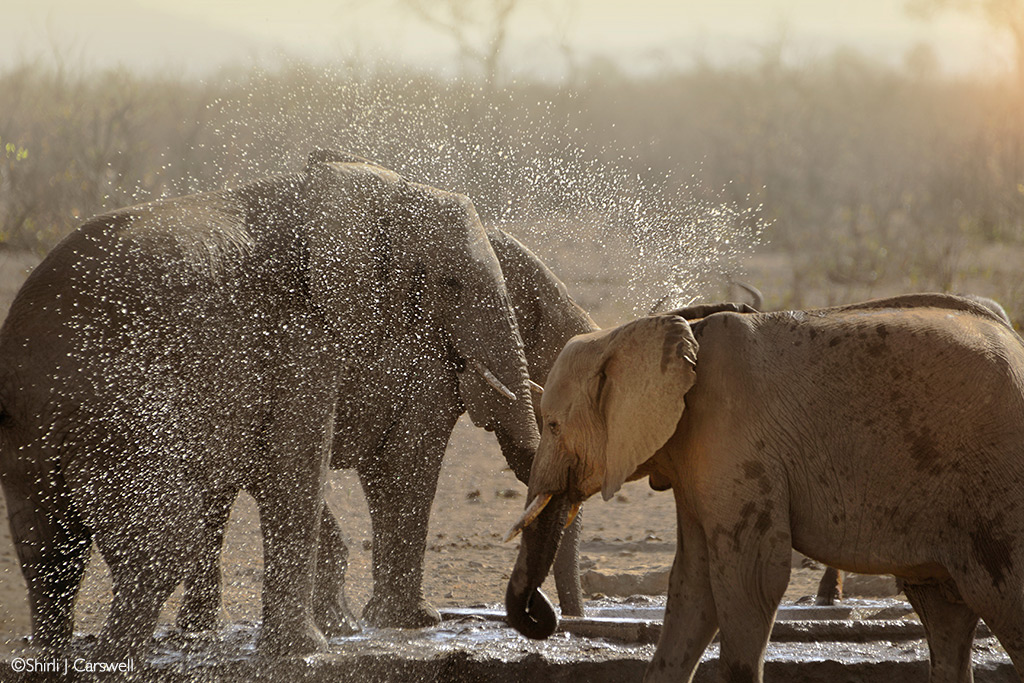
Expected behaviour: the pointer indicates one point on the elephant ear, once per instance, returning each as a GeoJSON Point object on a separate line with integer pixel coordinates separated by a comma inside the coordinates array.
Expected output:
{"type": "Point", "coordinates": [649, 367]}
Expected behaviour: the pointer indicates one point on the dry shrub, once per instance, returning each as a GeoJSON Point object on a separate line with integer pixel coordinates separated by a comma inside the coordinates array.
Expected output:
{"type": "Point", "coordinates": [865, 174]}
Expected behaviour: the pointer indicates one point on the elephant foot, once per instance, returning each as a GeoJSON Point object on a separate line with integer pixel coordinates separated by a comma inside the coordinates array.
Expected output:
{"type": "Point", "coordinates": [195, 618]}
{"type": "Point", "coordinates": [830, 588]}
{"type": "Point", "coordinates": [305, 640]}
{"type": "Point", "coordinates": [337, 620]}
{"type": "Point", "coordinates": [108, 649]}
{"type": "Point", "coordinates": [386, 614]}
{"type": "Point", "coordinates": [828, 597]}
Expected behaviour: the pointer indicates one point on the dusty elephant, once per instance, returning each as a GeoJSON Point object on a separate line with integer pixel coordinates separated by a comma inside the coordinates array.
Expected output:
{"type": "Point", "coordinates": [800, 430]}
{"type": "Point", "coordinates": [830, 588]}
{"type": "Point", "coordinates": [166, 352]}
{"type": "Point", "coordinates": [393, 424]}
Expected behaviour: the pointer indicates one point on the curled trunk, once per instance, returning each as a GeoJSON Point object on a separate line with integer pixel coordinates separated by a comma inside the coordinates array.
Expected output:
{"type": "Point", "coordinates": [527, 609]}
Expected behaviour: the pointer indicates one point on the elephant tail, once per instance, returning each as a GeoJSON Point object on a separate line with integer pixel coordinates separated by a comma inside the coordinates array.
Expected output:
{"type": "Point", "coordinates": [50, 538]}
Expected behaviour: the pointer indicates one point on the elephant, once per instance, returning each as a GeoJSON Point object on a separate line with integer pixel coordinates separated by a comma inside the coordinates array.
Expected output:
{"type": "Point", "coordinates": [166, 352]}
{"type": "Point", "coordinates": [393, 427]}
{"type": "Point", "coordinates": [830, 587]}
{"type": "Point", "coordinates": [992, 305]}
{"type": "Point", "coordinates": [798, 429]}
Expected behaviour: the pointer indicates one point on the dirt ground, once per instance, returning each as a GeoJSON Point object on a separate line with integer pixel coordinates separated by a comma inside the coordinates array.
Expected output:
{"type": "Point", "coordinates": [478, 500]}
{"type": "Point", "coordinates": [466, 564]}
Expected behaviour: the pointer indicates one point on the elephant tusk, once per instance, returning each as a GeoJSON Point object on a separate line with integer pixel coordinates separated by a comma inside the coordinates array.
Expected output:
{"type": "Point", "coordinates": [492, 380]}
{"type": "Point", "coordinates": [529, 515]}
{"type": "Point", "coordinates": [536, 388]}
{"type": "Point", "coordinates": [573, 511]}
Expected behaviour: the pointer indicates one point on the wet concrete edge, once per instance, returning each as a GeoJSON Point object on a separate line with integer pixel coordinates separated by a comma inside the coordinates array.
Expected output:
{"type": "Point", "coordinates": [462, 666]}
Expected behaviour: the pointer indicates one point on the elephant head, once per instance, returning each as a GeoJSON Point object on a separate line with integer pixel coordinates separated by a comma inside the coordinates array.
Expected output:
{"type": "Point", "coordinates": [432, 267]}
{"type": "Point", "coordinates": [599, 426]}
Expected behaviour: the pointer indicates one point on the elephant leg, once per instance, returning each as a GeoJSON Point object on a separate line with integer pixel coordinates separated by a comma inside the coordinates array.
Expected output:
{"type": "Point", "coordinates": [690, 617]}
{"type": "Point", "coordinates": [201, 601]}
{"type": "Point", "coordinates": [146, 521]}
{"type": "Point", "coordinates": [330, 608]}
{"type": "Point", "coordinates": [53, 548]}
{"type": "Point", "coordinates": [290, 507]}
{"type": "Point", "coordinates": [830, 588]}
{"type": "Point", "coordinates": [1008, 627]}
{"type": "Point", "coordinates": [1001, 606]}
{"type": "Point", "coordinates": [400, 484]}
{"type": "Point", "coordinates": [749, 575]}
{"type": "Point", "coordinates": [142, 580]}
{"type": "Point", "coordinates": [288, 490]}
{"type": "Point", "coordinates": [567, 570]}
{"type": "Point", "coordinates": [950, 627]}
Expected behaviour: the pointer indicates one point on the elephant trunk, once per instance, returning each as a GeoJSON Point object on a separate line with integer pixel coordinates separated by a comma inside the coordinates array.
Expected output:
{"type": "Point", "coordinates": [494, 383]}
{"type": "Point", "coordinates": [527, 609]}
{"type": "Point", "coordinates": [518, 456]}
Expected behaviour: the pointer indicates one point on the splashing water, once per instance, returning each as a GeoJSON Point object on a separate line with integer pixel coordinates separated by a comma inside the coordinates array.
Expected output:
{"type": "Point", "coordinates": [633, 237]}
{"type": "Point", "coordinates": [524, 164]}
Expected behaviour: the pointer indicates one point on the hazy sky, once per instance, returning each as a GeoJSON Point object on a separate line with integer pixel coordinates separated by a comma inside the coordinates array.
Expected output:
{"type": "Point", "coordinates": [201, 35]}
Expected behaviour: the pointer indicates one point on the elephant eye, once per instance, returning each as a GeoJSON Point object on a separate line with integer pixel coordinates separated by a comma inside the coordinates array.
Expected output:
{"type": "Point", "coordinates": [553, 427]}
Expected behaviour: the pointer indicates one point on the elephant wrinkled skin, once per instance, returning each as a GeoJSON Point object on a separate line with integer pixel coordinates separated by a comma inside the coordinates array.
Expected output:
{"type": "Point", "coordinates": [164, 353]}
{"type": "Point", "coordinates": [393, 424]}
{"type": "Point", "coordinates": [885, 437]}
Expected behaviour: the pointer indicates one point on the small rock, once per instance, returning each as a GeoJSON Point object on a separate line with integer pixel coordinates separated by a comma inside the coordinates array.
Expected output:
{"type": "Point", "coordinates": [893, 612]}
{"type": "Point", "coordinates": [641, 600]}
{"type": "Point", "coordinates": [649, 583]}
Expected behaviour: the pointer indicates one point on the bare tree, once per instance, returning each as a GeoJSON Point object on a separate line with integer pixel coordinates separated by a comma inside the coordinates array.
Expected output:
{"type": "Point", "coordinates": [1004, 15]}
{"type": "Point", "coordinates": [478, 27]}
{"type": "Point", "coordinates": [563, 17]}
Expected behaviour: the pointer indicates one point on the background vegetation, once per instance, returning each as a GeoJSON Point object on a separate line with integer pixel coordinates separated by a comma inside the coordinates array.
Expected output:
{"type": "Point", "coordinates": [865, 178]}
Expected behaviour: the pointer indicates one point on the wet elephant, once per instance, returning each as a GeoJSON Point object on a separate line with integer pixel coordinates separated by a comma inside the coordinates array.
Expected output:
{"type": "Point", "coordinates": [395, 415]}
{"type": "Point", "coordinates": [167, 352]}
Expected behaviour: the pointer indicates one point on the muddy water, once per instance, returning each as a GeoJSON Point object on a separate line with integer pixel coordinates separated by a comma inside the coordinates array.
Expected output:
{"type": "Point", "coordinates": [475, 645]}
